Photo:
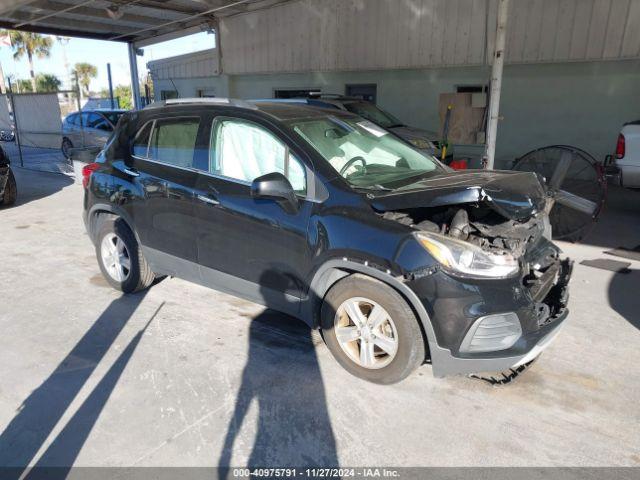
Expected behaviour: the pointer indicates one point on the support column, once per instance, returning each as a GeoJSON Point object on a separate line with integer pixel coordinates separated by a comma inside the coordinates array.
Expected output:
{"type": "Point", "coordinates": [135, 85]}
{"type": "Point", "coordinates": [3, 86]}
{"type": "Point", "coordinates": [496, 83]}
{"type": "Point", "coordinates": [111, 99]}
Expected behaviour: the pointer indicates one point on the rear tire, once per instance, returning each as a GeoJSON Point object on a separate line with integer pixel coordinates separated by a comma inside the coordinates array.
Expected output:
{"type": "Point", "coordinates": [398, 345]}
{"type": "Point", "coordinates": [66, 146]}
{"type": "Point", "coordinates": [10, 191]}
{"type": "Point", "coordinates": [120, 256]}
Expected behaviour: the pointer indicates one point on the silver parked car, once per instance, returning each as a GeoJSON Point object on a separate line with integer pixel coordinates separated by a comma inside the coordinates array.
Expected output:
{"type": "Point", "coordinates": [89, 128]}
{"type": "Point", "coordinates": [424, 140]}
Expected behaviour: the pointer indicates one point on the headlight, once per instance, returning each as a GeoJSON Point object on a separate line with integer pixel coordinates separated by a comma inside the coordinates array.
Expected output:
{"type": "Point", "coordinates": [467, 259]}
{"type": "Point", "coordinates": [421, 143]}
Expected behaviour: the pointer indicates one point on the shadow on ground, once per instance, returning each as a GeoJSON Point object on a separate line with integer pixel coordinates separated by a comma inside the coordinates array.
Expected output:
{"type": "Point", "coordinates": [34, 185]}
{"type": "Point", "coordinates": [39, 414]}
{"type": "Point", "coordinates": [624, 297]}
{"type": "Point", "coordinates": [293, 429]}
{"type": "Point", "coordinates": [619, 222]}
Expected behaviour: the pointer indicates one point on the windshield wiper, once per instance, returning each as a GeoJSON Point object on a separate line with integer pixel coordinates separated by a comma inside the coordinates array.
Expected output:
{"type": "Point", "coordinates": [373, 187]}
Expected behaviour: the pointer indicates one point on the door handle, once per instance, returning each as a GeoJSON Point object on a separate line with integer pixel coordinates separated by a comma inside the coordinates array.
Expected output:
{"type": "Point", "coordinates": [131, 171]}
{"type": "Point", "coordinates": [209, 200]}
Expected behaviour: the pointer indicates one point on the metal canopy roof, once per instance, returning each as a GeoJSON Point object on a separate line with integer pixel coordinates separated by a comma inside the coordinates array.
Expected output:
{"type": "Point", "coordinates": [142, 22]}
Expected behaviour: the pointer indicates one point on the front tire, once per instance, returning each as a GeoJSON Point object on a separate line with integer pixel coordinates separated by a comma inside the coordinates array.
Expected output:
{"type": "Point", "coordinates": [120, 256]}
{"type": "Point", "coordinates": [10, 191]}
{"type": "Point", "coordinates": [371, 330]}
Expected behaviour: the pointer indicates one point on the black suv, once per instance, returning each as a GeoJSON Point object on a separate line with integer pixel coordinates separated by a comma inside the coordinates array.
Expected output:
{"type": "Point", "coordinates": [327, 217]}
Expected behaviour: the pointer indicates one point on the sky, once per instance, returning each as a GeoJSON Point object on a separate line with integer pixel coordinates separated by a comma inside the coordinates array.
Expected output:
{"type": "Point", "coordinates": [99, 53]}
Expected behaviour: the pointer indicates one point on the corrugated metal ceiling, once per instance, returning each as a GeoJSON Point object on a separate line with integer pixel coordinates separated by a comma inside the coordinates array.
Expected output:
{"type": "Point", "coordinates": [139, 21]}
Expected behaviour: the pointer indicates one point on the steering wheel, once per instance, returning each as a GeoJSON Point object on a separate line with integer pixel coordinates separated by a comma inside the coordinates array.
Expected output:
{"type": "Point", "coordinates": [351, 162]}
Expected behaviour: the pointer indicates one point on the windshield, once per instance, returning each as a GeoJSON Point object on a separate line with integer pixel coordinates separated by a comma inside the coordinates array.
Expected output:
{"type": "Point", "coordinates": [113, 117]}
{"type": "Point", "coordinates": [366, 155]}
{"type": "Point", "coordinates": [371, 112]}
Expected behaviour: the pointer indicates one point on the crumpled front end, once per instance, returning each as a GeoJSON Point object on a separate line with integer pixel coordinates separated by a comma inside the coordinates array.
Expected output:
{"type": "Point", "coordinates": [493, 325]}
{"type": "Point", "coordinates": [490, 324]}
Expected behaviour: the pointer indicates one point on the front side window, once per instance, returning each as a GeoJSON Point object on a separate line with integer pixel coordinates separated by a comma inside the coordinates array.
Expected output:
{"type": "Point", "coordinates": [104, 125]}
{"type": "Point", "coordinates": [97, 121]}
{"type": "Point", "coordinates": [92, 120]}
{"type": "Point", "coordinates": [366, 155]}
{"type": "Point", "coordinates": [245, 151]}
{"type": "Point", "coordinates": [173, 141]}
{"type": "Point", "coordinates": [113, 117]}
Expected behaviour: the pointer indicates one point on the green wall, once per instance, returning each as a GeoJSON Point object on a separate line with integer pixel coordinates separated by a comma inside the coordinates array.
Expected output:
{"type": "Point", "coordinates": [581, 104]}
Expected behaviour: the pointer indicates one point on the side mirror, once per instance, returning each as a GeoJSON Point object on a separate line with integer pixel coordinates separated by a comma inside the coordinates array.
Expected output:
{"type": "Point", "coordinates": [275, 186]}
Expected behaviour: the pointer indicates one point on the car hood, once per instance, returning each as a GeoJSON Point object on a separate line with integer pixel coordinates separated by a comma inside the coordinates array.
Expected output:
{"type": "Point", "coordinates": [407, 132]}
{"type": "Point", "coordinates": [514, 195]}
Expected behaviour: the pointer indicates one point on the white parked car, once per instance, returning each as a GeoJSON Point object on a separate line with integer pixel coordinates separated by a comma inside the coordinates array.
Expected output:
{"type": "Point", "coordinates": [627, 156]}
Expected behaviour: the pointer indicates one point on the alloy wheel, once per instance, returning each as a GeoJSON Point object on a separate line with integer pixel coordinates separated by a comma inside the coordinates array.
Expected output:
{"type": "Point", "coordinates": [115, 257]}
{"type": "Point", "coordinates": [366, 333]}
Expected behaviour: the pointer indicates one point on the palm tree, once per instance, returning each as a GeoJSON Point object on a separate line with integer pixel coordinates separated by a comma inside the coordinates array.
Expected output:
{"type": "Point", "coordinates": [47, 82]}
{"type": "Point", "coordinates": [85, 72]}
{"type": "Point", "coordinates": [30, 44]}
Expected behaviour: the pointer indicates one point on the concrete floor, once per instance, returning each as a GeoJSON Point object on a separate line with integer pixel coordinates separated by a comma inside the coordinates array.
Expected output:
{"type": "Point", "coordinates": [182, 375]}
{"type": "Point", "coordinates": [38, 158]}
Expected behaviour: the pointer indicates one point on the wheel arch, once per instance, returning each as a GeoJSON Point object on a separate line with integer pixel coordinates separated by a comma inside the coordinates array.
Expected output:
{"type": "Point", "coordinates": [334, 270]}
{"type": "Point", "coordinates": [102, 208]}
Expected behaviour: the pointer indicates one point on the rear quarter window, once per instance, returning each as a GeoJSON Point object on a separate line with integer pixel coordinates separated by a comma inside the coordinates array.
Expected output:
{"type": "Point", "coordinates": [140, 145]}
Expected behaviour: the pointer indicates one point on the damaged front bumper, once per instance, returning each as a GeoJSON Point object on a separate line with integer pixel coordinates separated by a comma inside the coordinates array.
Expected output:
{"type": "Point", "coordinates": [541, 310]}
{"type": "Point", "coordinates": [445, 363]}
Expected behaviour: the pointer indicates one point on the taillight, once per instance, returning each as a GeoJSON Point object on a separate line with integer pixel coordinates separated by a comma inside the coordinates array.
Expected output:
{"type": "Point", "coordinates": [87, 170]}
{"type": "Point", "coordinates": [620, 147]}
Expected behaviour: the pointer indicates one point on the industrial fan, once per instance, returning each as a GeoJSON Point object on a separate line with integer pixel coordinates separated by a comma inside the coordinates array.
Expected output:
{"type": "Point", "coordinates": [576, 184]}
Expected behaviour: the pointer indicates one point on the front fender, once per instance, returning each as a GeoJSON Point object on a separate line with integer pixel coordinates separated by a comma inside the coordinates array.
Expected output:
{"type": "Point", "coordinates": [333, 270]}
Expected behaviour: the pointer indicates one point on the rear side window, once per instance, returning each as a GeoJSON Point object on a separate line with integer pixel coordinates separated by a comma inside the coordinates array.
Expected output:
{"type": "Point", "coordinates": [173, 141]}
{"type": "Point", "coordinates": [74, 120]}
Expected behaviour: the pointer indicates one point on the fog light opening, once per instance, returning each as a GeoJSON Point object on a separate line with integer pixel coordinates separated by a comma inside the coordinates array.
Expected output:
{"type": "Point", "coordinates": [492, 333]}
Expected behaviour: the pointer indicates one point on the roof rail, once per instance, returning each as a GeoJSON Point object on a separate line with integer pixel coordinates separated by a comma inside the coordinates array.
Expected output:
{"type": "Point", "coordinates": [233, 102]}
